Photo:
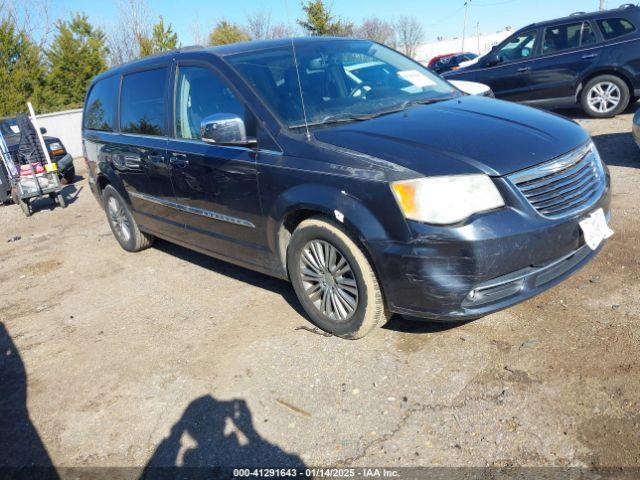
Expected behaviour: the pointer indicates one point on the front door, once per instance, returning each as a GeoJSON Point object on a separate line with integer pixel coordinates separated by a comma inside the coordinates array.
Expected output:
{"type": "Point", "coordinates": [216, 186]}
{"type": "Point", "coordinates": [139, 151]}
{"type": "Point", "coordinates": [510, 78]}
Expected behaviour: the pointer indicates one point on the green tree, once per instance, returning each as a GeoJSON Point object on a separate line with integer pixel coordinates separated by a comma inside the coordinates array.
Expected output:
{"type": "Point", "coordinates": [162, 39]}
{"type": "Point", "coordinates": [21, 70]}
{"type": "Point", "coordinates": [226, 32]}
{"type": "Point", "coordinates": [77, 54]}
{"type": "Point", "coordinates": [320, 22]}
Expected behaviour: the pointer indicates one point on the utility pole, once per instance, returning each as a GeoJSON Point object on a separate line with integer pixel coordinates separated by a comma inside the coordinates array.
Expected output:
{"type": "Point", "coordinates": [478, 36]}
{"type": "Point", "coordinates": [602, 2]}
{"type": "Point", "coordinates": [464, 28]}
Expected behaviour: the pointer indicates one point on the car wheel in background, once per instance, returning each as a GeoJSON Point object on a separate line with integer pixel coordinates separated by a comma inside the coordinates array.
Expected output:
{"type": "Point", "coordinates": [605, 96]}
{"type": "Point", "coordinates": [69, 176]}
{"type": "Point", "coordinates": [122, 224]}
{"type": "Point", "coordinates": [334, 280]}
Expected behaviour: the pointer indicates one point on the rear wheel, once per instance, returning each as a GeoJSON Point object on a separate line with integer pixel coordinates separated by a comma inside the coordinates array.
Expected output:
{"type": "Point", "coordinates": [69, 176]}
{"type": "Point", "coordinates": [122, 224]}
{"type": "Point", "coordinates": [605, 96]}
{"type": "Point", "coordinates": [334, 280]}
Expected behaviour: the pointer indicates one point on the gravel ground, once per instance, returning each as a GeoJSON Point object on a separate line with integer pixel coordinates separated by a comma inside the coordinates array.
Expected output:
{"type": "Point", "coordinates": [168, 357]}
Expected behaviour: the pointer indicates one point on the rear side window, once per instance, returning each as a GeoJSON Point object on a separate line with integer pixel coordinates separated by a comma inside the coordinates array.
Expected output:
{"type": "Point", "coordinates": [142, 102]}
{"type": "Point", "coordinates": [101, 104]}
{"type": "Point", "coordinates": [615, 27]}
{"type": "Point", "coordinates": [566, 37]}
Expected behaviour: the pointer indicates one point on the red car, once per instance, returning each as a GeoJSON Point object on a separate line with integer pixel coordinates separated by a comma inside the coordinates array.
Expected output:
{"type": "Point", "coordinates": [437, 58]}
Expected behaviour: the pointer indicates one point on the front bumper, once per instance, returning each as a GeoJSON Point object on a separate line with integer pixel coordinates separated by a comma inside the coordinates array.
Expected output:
{"type": "Point", "coordinates": [503, 257]}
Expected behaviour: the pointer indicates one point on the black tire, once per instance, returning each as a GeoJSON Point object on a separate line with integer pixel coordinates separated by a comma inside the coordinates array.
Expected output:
{"type": "Point", "coordinates": [619, 96]}
{"type": "Point", "coordinates": [119, 216]}
{"type": "Point", "coordinates": [368, 310]}
{"type": "Point", "coordinates": [26, 208]}
{"type": "Point", "coordinates": [69, 176]}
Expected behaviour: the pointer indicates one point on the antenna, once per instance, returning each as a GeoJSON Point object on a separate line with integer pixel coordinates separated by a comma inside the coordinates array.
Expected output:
{"type": "Point", "coordinates": [295, 62]}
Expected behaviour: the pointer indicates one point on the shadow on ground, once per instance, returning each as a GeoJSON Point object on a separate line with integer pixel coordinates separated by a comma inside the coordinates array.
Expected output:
{"type": "Point", "coordinates": [281, 287]}
{"type": "Point", "coordinates": [214, 433]}
{"type": "Point", "coordinates": [577, 113]}
{"type": "Point", "coordinates": [398, 323]}
{"type": "Point", "coordinates": [618, 149]}
{"type": "Point", "coordinates": [22, 453]}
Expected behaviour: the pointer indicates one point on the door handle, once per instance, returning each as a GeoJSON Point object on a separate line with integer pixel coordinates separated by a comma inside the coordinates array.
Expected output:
{"type": "Point", "coordinates": [589, 56]}
{"type": "Point", "coordinates": [524, 69]}
{"type": "Point", "coordinates": [179, 160]}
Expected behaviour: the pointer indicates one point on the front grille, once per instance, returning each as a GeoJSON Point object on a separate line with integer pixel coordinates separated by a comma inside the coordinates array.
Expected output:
{"type": "Point", "coordinates": [564, 186]}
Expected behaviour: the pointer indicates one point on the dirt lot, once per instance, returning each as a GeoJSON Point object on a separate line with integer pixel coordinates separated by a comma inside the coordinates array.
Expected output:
{"type": "Point", "coordinates": [168, 357]}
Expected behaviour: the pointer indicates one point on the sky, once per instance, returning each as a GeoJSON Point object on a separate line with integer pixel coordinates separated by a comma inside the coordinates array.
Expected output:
{"type": "Point", "coordinates": [438, 17]}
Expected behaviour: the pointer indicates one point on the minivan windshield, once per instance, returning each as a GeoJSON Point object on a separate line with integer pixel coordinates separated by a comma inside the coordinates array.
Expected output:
{"type": "Point", "coordinates": [340, 80]}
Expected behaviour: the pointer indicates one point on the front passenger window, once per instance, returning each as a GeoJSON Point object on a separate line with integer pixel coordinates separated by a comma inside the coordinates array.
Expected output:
{"type": "Point", "coordinates": [199, 94]}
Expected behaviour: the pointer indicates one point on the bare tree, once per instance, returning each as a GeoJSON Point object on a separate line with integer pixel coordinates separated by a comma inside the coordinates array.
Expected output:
{"type": "Point", "coordinates": [133, 23]}
{"type": "Point", "coordinates": [259, 25]}
{"type": "Point", "coordinates": [378, 30]}
{"type": "Point", "coordinates": [281, 30]}
{"type": "Point", "coordinates": [410, 35]}
{"type": "Point", "coordinates": [22, 13]}
{"type": "Point", "coordinates": [198, 37]}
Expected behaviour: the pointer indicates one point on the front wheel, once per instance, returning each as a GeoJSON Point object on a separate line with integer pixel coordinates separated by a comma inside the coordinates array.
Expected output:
{"type": "Point", "coordinates": [605, 96]}
{"type": "Point", "coordinates": [122, 224]}
{"type": "Point", "coordinates": [334, 280]}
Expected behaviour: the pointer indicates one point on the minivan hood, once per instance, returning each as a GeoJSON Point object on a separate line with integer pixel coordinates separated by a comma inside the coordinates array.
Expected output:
{"type": "Point", "coordinates": [464, 135]}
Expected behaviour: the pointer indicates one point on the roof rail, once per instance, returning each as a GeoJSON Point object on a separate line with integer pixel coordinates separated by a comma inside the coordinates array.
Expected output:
{"type": "Point", "coordinates": [627, 5]}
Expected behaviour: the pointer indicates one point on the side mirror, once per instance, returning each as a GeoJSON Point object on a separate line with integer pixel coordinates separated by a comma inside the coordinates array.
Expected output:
{"type": "Point", "coordinates": [225, 129]}
{"type": "Point", "coordinates": [43, 130]}
{"type": "Point", "coordinates": [490, 60]}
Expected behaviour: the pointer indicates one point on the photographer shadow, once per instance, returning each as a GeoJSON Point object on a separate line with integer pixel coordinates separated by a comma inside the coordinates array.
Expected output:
{"type": "Point", "coordinates": [22, 452]}
{"type": "Point", "coordinates": [215, 434]}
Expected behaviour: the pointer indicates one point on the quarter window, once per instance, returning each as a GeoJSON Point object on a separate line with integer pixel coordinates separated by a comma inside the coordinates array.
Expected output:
{"type": "Point", "coordinates": [518, 47]}
{"type": "Point", "coordinates": [615, 27]}
{"type": "Point", "coordinates": [566, 37]}
{"type": "Point", "coordinates": [200, 93]}
{"type": "Point", "coordinates": [142, 102]}
{"type": "Point", "coordinates": [100, 105]}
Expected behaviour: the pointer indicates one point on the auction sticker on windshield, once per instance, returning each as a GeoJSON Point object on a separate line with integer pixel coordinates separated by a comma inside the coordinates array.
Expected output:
{"type": "Point", "coordinates": [416, 78]}
{"type": "Point", "coordinates": [595, 229]}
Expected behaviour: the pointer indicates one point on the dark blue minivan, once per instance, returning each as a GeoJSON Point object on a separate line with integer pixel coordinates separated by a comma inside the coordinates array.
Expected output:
{"type": "Point", "coordinates": [373, 190]}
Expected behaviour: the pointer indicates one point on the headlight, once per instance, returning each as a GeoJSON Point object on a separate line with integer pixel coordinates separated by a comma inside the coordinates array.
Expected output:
{"type": "Point", "coordinates": [55, 146]}
{"type": "Point", "coordinates": [447, 199]}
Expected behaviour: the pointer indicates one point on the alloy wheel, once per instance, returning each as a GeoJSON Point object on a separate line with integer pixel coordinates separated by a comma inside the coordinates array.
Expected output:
{"type": "Point", "coordinates": [119, 219]}
{"type": "Point", "coordinates": [604, 97]}
{"type": "Point", "coordinates": [328, 280]}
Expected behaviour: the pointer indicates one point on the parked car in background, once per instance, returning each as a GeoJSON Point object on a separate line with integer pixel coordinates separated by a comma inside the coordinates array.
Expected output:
{"type": "Point", "coordinates": [437, 58]}
{"type": "Point", "coordinates": [451, 62]}
{"type": "Point", "coordinates": [473, 88]}
{"type": "Point", "coordinates": [636, 127]}
{"type": "Point", "coordinates": [57, 151]}
{"type": "Point", "coordinates": [359, 175]}
{"type": "Point", "coordinates": [590, 59]}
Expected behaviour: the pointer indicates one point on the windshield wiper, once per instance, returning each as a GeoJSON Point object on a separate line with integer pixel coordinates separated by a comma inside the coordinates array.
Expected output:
{"type": "Point", "coordinates": [335, 118]}
{"type": "Point", "coordinates": [344, 118]}
{"type": "Point", "coordinates": [425, 101]}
